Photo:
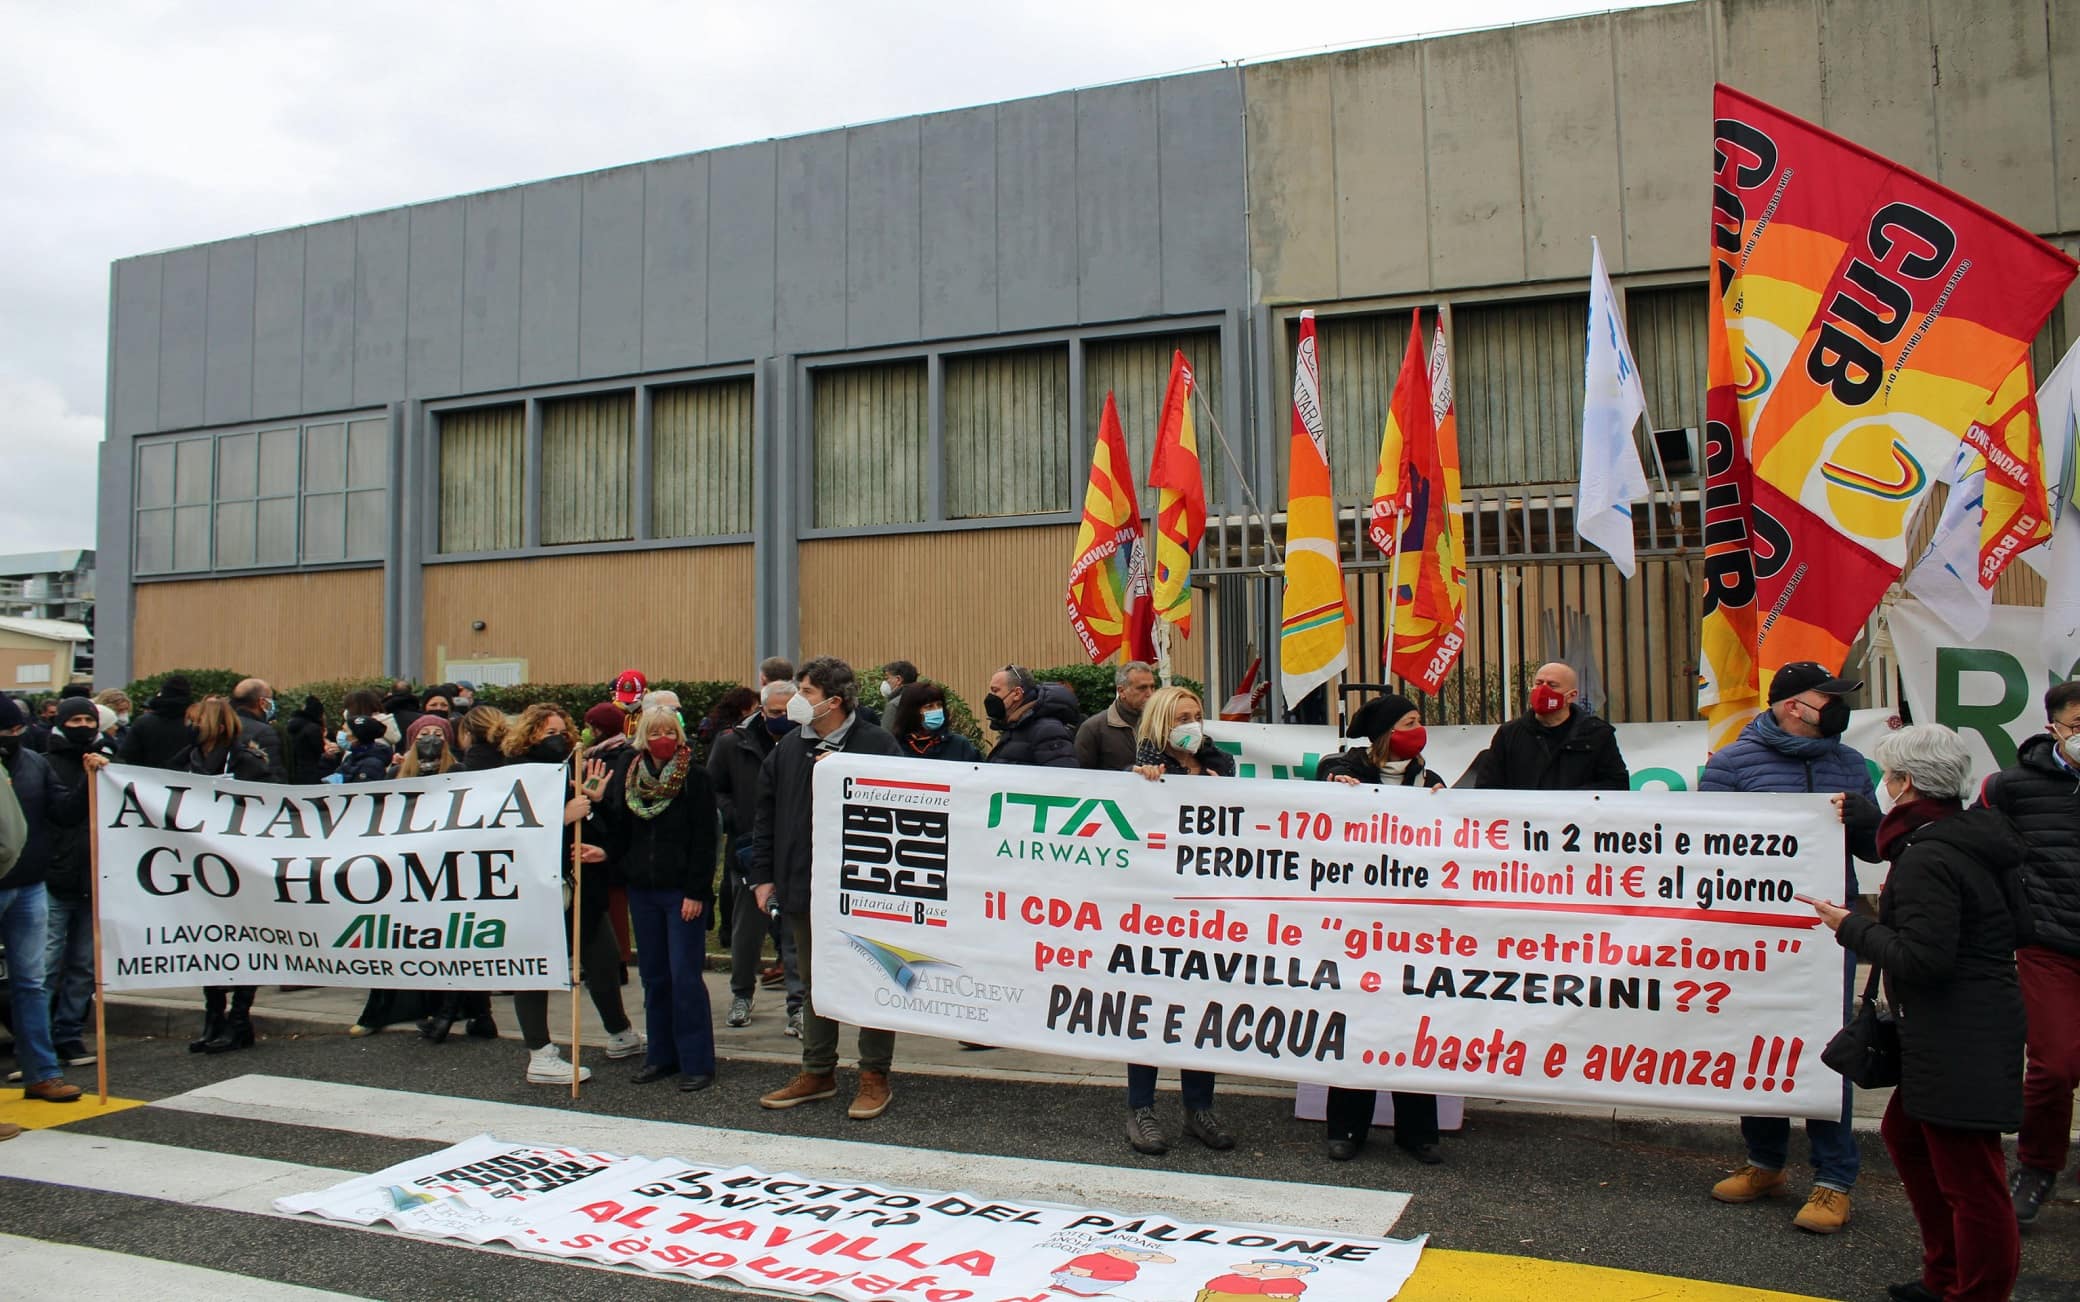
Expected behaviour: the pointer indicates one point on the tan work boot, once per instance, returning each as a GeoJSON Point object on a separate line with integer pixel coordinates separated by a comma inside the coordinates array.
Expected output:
{"type": "Point", "coordinates": [8, 1130]}
{"type": "Point", "coordinates": [1748, 1184]}
{"type": "Point", "coordinates": [872, 1099]}
{"type": "Point", "coordinates": [808, 1087]}
{"type": "Point", "coordinates": [1826, 1211]}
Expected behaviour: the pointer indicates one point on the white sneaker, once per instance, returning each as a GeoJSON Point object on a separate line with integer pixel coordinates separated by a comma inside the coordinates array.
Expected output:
{"type": "Point", "coordinates": [546, 1066]}
{"type": "Point", "coordinates": [625, 1044]}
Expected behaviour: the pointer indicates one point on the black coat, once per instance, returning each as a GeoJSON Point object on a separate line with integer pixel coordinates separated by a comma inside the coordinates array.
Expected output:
{"type": "Point", "coordinates": [1357, 763]}
{"type": "Point", "coordinates": [734, 760]}
{"type": "Point", "coordinates": [1524, 755]}
{"type": "Point", "coordinates": [674, 851]}
{"type": "Point", "coordinates": [242, 761]}
{"type": "Point", "coordinates": [943, 745]}
{"type": "Point", "coordinates": [1216, 762]}
{"type": "Point", "coordinates": [35, 789]}
{"type": "Point", "coordinates": [482, 755]}
{"type": "Point", "coordinates": [783, 837]}
{"type": "Point", "coordinates": [262, 734]}
{"type": "Point", "coordinates": [2042, 798]}
{"type": "Point", "coordinates": [1045, 736]}
{"type": "Point", "coordinates": [1945, 939]}
{"type": "Point", "coordinates": [159, 738]}
{"type": "Point", "coordinates": [69, 872]}
{"type": "Point", "coordinates": [304, 756]}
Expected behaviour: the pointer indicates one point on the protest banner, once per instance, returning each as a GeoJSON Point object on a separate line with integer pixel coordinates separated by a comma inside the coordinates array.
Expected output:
{"type": "Point", "coordinates": [1631, 948]}
{"type": "Point", "coordinates": [448, 882]}
{"type": "Point", "coordinates": [1989, 687]}
{"type": "Point", "coordinates": [842, 1238]}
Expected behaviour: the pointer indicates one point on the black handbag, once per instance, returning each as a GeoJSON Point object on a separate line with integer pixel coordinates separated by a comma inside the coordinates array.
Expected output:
{"type": "Point", "coordinates": [1866, 1051]}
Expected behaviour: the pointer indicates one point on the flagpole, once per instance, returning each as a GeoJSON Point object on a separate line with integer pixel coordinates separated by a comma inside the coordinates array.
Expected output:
{"type": "Point", "coordinates": [1393, 604]}
{"type": "Point", "coordinates": [94, 886]}
{"type": "Point", "coordinates": [1235, 464]}
{"type": "Point", "coordinates": [1507, 611]}
{"type": "Point", "coordinates": [577, 935]}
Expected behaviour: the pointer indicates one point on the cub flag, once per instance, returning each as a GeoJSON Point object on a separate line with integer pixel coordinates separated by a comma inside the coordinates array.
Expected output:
{"type": "Point", "coordinates": [2017, 515]}
{"type": "Point", "coordinates": [1108, 596]}
{"type": "Point", "coordinates": [1180, 501]}
{"type": "Point", "coordinates": [1311, 645]}
{"type": "Point", "coordinates": [1875, 315]}
{"type": "Point", "coordinates": [1410, 420]}
{"type": "Point", "coordinates": [1413, 492]}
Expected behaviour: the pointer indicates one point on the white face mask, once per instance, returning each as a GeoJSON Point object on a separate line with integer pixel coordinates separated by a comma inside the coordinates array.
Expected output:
{"type": "Point", "coordinates": [889, 689]}
{"type": "Point", "coordinates": [2070, 748]}
{"type": "Point", "coordinates": [1188, 737]}
{"type": "Point", "coordinates": [800, 711]}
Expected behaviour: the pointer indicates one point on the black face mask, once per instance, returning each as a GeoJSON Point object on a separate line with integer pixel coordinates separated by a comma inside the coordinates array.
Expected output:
{"type": "Point", "coordinates": [993, 706]}
{"type": "Point", "coordinates": [82, 737]}
{"type": "Point", "coordinates": [10, 746]}
{"type": "Point", "coordinates": [1834, 717]}
{"type": "Point", "coordinates": [428, 749]}
{"type": "Point", "coordinates": [779, 724]}
{"type": "Point", "coordinates": [550, 750]}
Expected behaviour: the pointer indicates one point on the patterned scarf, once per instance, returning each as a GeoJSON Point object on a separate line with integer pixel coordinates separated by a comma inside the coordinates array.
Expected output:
{"type": "Point", "coordinates": [649, 793]}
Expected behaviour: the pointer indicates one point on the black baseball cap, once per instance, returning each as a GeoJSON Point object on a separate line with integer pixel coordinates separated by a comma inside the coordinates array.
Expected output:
{"type": "Point", "coordinates": [1809, 676]}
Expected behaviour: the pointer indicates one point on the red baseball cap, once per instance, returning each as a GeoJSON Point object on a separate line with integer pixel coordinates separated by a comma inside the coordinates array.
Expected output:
{"type": "Point", "coordinates": [630, 686]}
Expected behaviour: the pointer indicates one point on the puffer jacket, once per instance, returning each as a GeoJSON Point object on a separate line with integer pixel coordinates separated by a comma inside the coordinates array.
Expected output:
{"type": "Point", "coordinates": [1763, 759]}
{"type": "Point", "coordinates": [1045, 736]}
{"type": "Point", "coordinates": [1945, 939]}
{"type": "Point", "coordinates": [2042, 798]}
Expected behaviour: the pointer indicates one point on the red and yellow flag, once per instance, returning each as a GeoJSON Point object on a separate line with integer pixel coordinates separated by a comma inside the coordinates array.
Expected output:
{"type": "Point", "coordinates": [1311, 644]}
{"type": "Point", "coordinates": [1108, 595]}
{"type": "Point", "coordinates": [1180, 501]}
{"type": "Point", "coordinates": [1412, 496]}
{"type": "Point", "coordinates": [2008, 438]}
{"type": "Point", "coordinates": [1411, 425]}
{"type": "Point", "coordinates": [1869, 317]}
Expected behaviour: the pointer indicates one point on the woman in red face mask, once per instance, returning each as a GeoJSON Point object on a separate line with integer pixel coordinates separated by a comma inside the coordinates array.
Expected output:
{"type": "Point", "coordinates": [666, 815]}
{"type": "Point", "coordinates": [1394, 759]}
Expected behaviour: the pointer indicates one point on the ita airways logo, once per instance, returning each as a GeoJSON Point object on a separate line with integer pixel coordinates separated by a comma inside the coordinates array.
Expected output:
{"type": "Point", "coordinates": [903, 966]}
{"type": "Point", "coordinates": [1081, 831]}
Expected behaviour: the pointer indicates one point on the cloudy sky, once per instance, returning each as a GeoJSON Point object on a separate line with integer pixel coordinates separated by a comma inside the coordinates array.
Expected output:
{"type": "Point", "coordinates": [128, 126]}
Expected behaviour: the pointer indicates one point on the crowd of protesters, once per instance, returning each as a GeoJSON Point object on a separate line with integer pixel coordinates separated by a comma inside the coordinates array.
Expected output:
{"type": "Point", "coordinates": [706, 824]}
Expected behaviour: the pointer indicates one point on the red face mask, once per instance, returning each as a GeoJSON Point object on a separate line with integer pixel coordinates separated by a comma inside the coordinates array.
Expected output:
{"type": "Point", "coordinates": [662, 748]}
{"type": "Point", "coordinates": [1407, 743]}
{"type": "Point", "coordinates": [1547, 700]}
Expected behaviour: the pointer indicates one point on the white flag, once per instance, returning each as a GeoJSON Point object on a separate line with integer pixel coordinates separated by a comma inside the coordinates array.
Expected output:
{"type": "Point", "coordinates": [1612, 479]}
{"type": "Point", "coordinates": [2058, 415]}
{"type": "Point", "coordinates": [1946, 578]}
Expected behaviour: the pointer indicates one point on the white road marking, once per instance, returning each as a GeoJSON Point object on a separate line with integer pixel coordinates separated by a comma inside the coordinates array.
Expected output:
{"type": "Point", "coordinates": [38, 1269]}
{"type": "Point", "coordinates": [399, 1114]}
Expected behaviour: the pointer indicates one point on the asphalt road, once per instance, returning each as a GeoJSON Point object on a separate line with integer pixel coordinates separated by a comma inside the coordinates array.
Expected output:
{"type": "Point", "coordinates": [1628, 1195]}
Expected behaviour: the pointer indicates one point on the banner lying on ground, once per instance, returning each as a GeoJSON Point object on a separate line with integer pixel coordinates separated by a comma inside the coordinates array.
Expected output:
{"type": "Point", "coordinates": [452, 882]}
{"type": "Point", "coordinates": [790, 1234]}
{"type": "Point", "coordinates": [1628, 947]}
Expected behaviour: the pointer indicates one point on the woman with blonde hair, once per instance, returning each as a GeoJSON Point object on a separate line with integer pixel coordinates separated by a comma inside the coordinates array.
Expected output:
{"type": "Point", "coordinates": [477, 736]}
{"type": "Point", "coordinates": [1170, 741]}
{"type": "Point", "coordinates": [543, 734]}
{"type": "Point", "coordinates": [427, 749]}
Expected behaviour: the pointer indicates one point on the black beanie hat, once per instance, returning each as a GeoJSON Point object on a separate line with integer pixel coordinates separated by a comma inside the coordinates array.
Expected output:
{"type": "Point", "coordinates": [365, 729]}
{"type": "Point", "coordinates": [12, 715]}
{"type": "Point", "coordinates": [76, 707]}
{"type": "Point", "coordinates": [1377, 717]}
{"type": "Point", "coordinates": [174, 693]}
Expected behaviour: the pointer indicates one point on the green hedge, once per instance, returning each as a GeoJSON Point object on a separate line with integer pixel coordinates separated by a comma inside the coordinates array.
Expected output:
{"type": "Point", "coordinates": [1093, 684]}
{"type": "Point", "coordinates": [201, 683]}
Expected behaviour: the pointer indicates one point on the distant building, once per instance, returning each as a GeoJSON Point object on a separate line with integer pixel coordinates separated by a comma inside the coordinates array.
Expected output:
{"type": "Point", "coordinates": [43, 655]}
{"type": "Point", "coordinates": [52, 588]}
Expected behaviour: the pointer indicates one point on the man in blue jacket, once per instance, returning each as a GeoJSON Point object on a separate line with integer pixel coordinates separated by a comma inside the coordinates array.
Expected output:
{"type": "Point", "coordinates": [1796, 746]}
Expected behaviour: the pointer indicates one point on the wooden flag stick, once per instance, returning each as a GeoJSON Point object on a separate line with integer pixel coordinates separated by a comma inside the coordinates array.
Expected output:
{"type": "Point", "coordinates": [94, 885]}
{"type": "Point", "coordinates": [577, 924]}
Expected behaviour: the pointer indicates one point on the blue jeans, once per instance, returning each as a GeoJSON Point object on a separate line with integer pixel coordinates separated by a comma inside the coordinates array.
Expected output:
{"type": "Point", "coordinates": [1141, 1088]}
{"type": "Point", "coordinates": [24, 922]}
{"type": "Point", "coordinates": [1831, 1145]}
{"type": "Point", "coordinates": [670, 954]}
{"type": "Point", "coordinates": [68, 967]}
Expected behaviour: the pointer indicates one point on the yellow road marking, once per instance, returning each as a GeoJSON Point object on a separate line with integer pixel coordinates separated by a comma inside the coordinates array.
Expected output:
{"type": "Point", "coordinates": [35, 1114]}
{"type": "Point", "coordinates": [1447, 1276]}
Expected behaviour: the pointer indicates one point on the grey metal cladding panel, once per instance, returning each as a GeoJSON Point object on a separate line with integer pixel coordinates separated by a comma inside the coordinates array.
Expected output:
{"type": "Point", "coordinates": [959, 187]}
{"type": "Point", "coordinates": [183, 332]}
{"type": "Point", "coordinates": [491, 291]}
{"type": "Point", "coordinates": [1993, 107]}
{"type": "Point", "coordinates": [1664, 59]}
{"type": "Point", "coordinates": [1771, 50]}
{"type": "Point", "coordinates": [675, 263]}
{"type": "Point", "coordinates": [1875, 78]}
{"type": "Point", "coordinates": [1568, 117]}
{"type": "Point", "coordinates": [552, 217]}
{"type": "Point", "coordinates": [328, 316]}
{"type": "Point", "coordinates": [882, 231]}
{"type": "Point", "coordinates": [1205, 236]}
{"type": "Point", "coordinates": [2064, 62]}
{"type": "Point", "coordinates": [809, 275]}
{"type": "Point", "coordinates": [1036, 213]}
{"type": "Point", "coordinates": [610, 280]}
{"type": "Point", "coordinates": [382, 261]}
{"type": "Point", "coordinates": [278, 324]}
{"type": "Point", "coordinates": [1119, 203]}
{"type": "Point", "coordinates": [134, 356]}
{"type": "Point", "coordinates": [433, 332]}
{"type": "Point", "coordinates": [228, 371]}
{"type": "Point", "coordinates": [1476, 168]}
{"type": "Point", "coordinates": [740, 251]}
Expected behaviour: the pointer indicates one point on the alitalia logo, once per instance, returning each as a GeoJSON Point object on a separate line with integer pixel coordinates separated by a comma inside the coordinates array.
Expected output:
{"type": "Point", "coordinates": [1058, 815]}
{"type": "Point", "coordinates": [381, 931]}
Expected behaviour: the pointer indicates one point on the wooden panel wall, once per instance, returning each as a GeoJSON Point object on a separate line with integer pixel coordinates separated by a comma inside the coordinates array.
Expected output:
{"type": "Point", "coordinates": [286, 628]}
{"type": "Point", "coordinates": [960, 605]}
{"type": "Point", "coordinates": [1008, 448]}
{"type": "Point", "coordinates": [588, 452]}
{"type": "Point", "coordinates": [872, 433]}
{"type": "Point", "coordinates": [700, 441]}
{"type": "Point", "coordinates": [483, 476]}
{"type": "Point", "coordinates": [675, 613]}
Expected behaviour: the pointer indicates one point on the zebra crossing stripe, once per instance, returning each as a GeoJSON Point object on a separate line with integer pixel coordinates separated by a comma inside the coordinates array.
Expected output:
{"type": "Point", "coordinates": [39, 1269]}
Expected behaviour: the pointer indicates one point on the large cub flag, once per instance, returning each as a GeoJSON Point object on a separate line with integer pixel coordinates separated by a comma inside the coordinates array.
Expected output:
{"type": "Point", "coordinates": [1311, 645]}
{"type": "Point", "coordinates": [1411, 424]}
{"type": "Point", "coordinates": [1870, 317]}
{"type": "Point", "coordinates": [1412, 495]}
{"type": "Point", "coordinates": [1181, 498]}
{"type": "Point", "coordinates": [1108, 594]}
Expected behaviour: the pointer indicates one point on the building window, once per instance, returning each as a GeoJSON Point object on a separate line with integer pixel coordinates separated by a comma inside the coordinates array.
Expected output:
{"type": "Point", "coordinates": [871, 431]}
{"type": "Point", "coordinates": [1137, 371]}
{"type": "Point", "coordinates": [263, 498]}
{"type": "Point", "coordinates": [1360, 358]}
{"type": "Point", "coordinates": [700, 454]}
{"type": "Point", "coordinates": [482, 477]}
{"type": "Point", "coordinates": [1517, 388]}
{"type": "Point", "coordinates": [1008, 443]}
{"type": "Point", "coordinates": [1666, 328]}
{"type": "Point", "coordinates": [588, 450]}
